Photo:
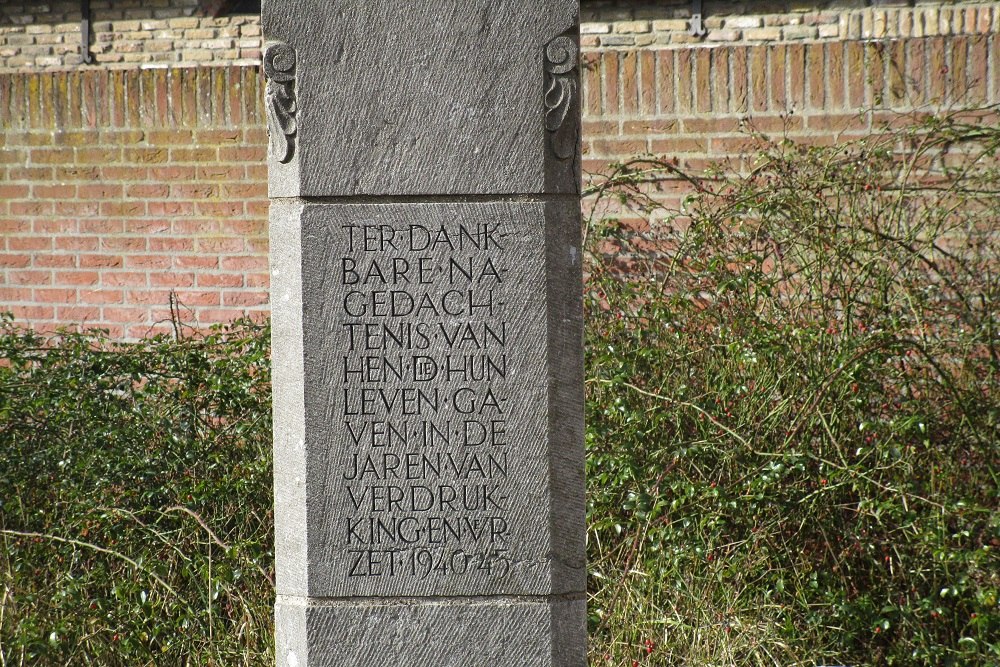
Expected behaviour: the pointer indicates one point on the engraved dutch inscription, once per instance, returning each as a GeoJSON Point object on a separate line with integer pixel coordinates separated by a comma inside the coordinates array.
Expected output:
{"type": "Point", "coordinates": [430, 336]}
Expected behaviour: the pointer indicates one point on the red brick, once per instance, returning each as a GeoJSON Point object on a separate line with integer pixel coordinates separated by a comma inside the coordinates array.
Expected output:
{"type": "Point", "coordinates": [720, 80]}
{"type": "Point", "coordinates": [31, 313]}
{"type": "Point", "coordinates": [170, 244]}
{"type": "Point", "coordinates": [220, 209]}
{"type": "Point", "coordinates": [34, 173]}
{"type": "Point", "coordinates": [148, 297]}
{"type": "Point", "coordinates": [171, 279]}
{"type": "Point", "coordinates": [683, 63]}
{"type": "Point", "coordinates": [649, 126]}
{"type": "Point", "coordinates": [14, 191]}
{"type": "Point", "coordinates": [758, 78]}
{"type": "Point", "coordinates": [202, 154]}
{"type": "Point", "coordinates": [194, 190]}
{"type": "Point", "coordinates": [220, 245]}
{"type": "Point", "coordinates": [194, 226]}
{"type": "Point", "coordinates": [147, 191]}
{"type": "Point", "coordinates": [777, 124]}
{"type": "Point", "coordinates": [837, 123]}
{"type": "Point", "coordinates": [916, 76]}
{"type": "Point", "coordinates": [709, 125]}
{"type": "Point", "coordinates": [797, 76]}
{"type": "Point", "coordinates": [146, 155]}
{"type": "Point", "coordinates": [815, 70]}
{"type": "Point", "coordinates": [124, 243]}
{"type": "Point", "coordinates": [244, 298]}
{"type": "Point", "coordinates": [29, 243]}
{"type": "Point", "coordinates": [14, 260]}
{"type": "Point", "coordinates": [196, 261]}
{"type": "Point", "coordinates": [244, 263]}
{"type": "Point", "coordinates": [665, 81]}
{"type": "Point", "coordinates": [125, 173]}
{"type": "Point", "coordinates": [620, 148]}
{"type": "Point", "coordinates": [147, 261]}
{"type": "Point", "coordinates": [218, 136]}
{"type": "Point", "coordinates": [629, 67]}
{"type": "Point", "coordinates": [15, 226]}
{"type": "Point", "coordinates": [77, 277]}
{"type": "Point", "coordinates": [679, 145]}
{"type": "Point", "coordinates": [198, 298]}
{"type": "Point", "coordinates": [125, 278]}
{"type": "Point", "coordinates": [12, 294]}
{"type": "Point", "coordinates": [100, 191]}
{"type": "Point", "coordinates": [29, 277]}
{"type": "Point", "coordinates": [258, 280]}
{"type": "Point", "coordinates": [55, 295]}
{"type": "Point", "coordinates": [218, 172]}
{"type": "Point", "coordinates": [856, 85]}
{"type": "Point", "coordinates": [171, 137]}
{"type": "Point", "coordinates": [79, 314]}
{"type": "Point", "coordinates": [125, 209]}
{"type": "Point", "coordinates": [258, 208]}
{"type": "Point", "coordinates": [740, 80]}
{"type": "Point", "coordinates": [938, 69]}
{"type": "Point", "coordinates": [978, 69]}
{"type": "Point", "coordinates": [99, 296]}
{"type": "Point", "coordinates": [53, 191]}
{"type": "Point", "coordinates": [219, 279]}
{"type": "Point", "coordinates": [703, 81]}
{"type": "Point", "coordinates": [53, 261]}
{"type": "Point", "coordinates": [958, 65]}
{"type": "Point", "coordinates": [100, 261]}
{"type": "Point", "coordinates": [99, 155]}
{"type": "Point", "coordinates": [9, 156]}
{"type": "Point", "coordinates": [77, 208]}
{"type": "Point", "coordinates": [51, 155]}
{"type": "Point", "coordinates": [31, 208]}
{"type": "Point", "coordinates": [73, 138]}
{"type": "Point", "coordinates": [171, 208]}
{"type": "Point", "coordinates": [256, 172]}
{"type": "Point", "coordinates": [120, 314]}
{"type": "Point", "coordinates": [172, 174]}
{"type": "Point", "coordinates": [647, 82]}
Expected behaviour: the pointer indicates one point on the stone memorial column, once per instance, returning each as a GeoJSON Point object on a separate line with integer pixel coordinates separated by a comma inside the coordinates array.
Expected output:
{"type": "Point", "coordinates": [427, 332]}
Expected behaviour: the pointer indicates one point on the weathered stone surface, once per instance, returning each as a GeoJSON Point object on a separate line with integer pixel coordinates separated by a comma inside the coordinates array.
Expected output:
{"type": "Point", "coordinates": [458, 633]}
{"type": "Point", "coordinates": [441, 452]}
{"type": "Point", "coordinates": [425, 97]}
{"type": "Point", "coordinates": [427, 323]}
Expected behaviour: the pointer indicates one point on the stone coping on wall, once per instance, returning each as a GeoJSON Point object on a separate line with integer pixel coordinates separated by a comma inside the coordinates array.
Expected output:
{"type": "Point", "coordinates": [147, 38]}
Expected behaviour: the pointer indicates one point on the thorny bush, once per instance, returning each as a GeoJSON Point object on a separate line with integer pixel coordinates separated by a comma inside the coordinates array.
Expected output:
{"type": "Point", "coordinates": [793, 406]}
{"type": "Point", "coordinates": [135, 482]}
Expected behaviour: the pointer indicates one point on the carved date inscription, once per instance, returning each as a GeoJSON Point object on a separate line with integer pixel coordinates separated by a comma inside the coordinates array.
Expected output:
{"type": "Point", "coordinates": [425, 399]}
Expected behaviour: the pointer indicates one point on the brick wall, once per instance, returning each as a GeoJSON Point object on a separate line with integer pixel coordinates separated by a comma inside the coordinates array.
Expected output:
{"type": "Point", "coordinates": [164, 33]}
{"type": "Point", "coordinates": [124, 33]}
{"type": "Point", "coordinates": [119, 188]}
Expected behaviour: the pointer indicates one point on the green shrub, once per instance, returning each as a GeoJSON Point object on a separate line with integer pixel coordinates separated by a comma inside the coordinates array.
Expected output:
{"type": "Point", "coordinates": [793, 408]}
{"type": "Point", "coordinates": [135, 482]}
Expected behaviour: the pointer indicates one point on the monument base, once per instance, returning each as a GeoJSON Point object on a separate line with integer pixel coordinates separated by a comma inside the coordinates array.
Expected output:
{"type": "Point", "coordinates": [473, 632]}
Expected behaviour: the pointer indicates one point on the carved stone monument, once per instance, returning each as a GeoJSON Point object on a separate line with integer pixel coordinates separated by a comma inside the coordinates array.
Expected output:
{"type": "Point", "coordinates": [427, 332]}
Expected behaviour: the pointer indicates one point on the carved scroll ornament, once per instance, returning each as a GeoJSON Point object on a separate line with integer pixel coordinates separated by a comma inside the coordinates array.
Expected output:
{"type": "Point", "coordinates": [279, 100]}
{"type": "Point", "coordinates": [561, 96]}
